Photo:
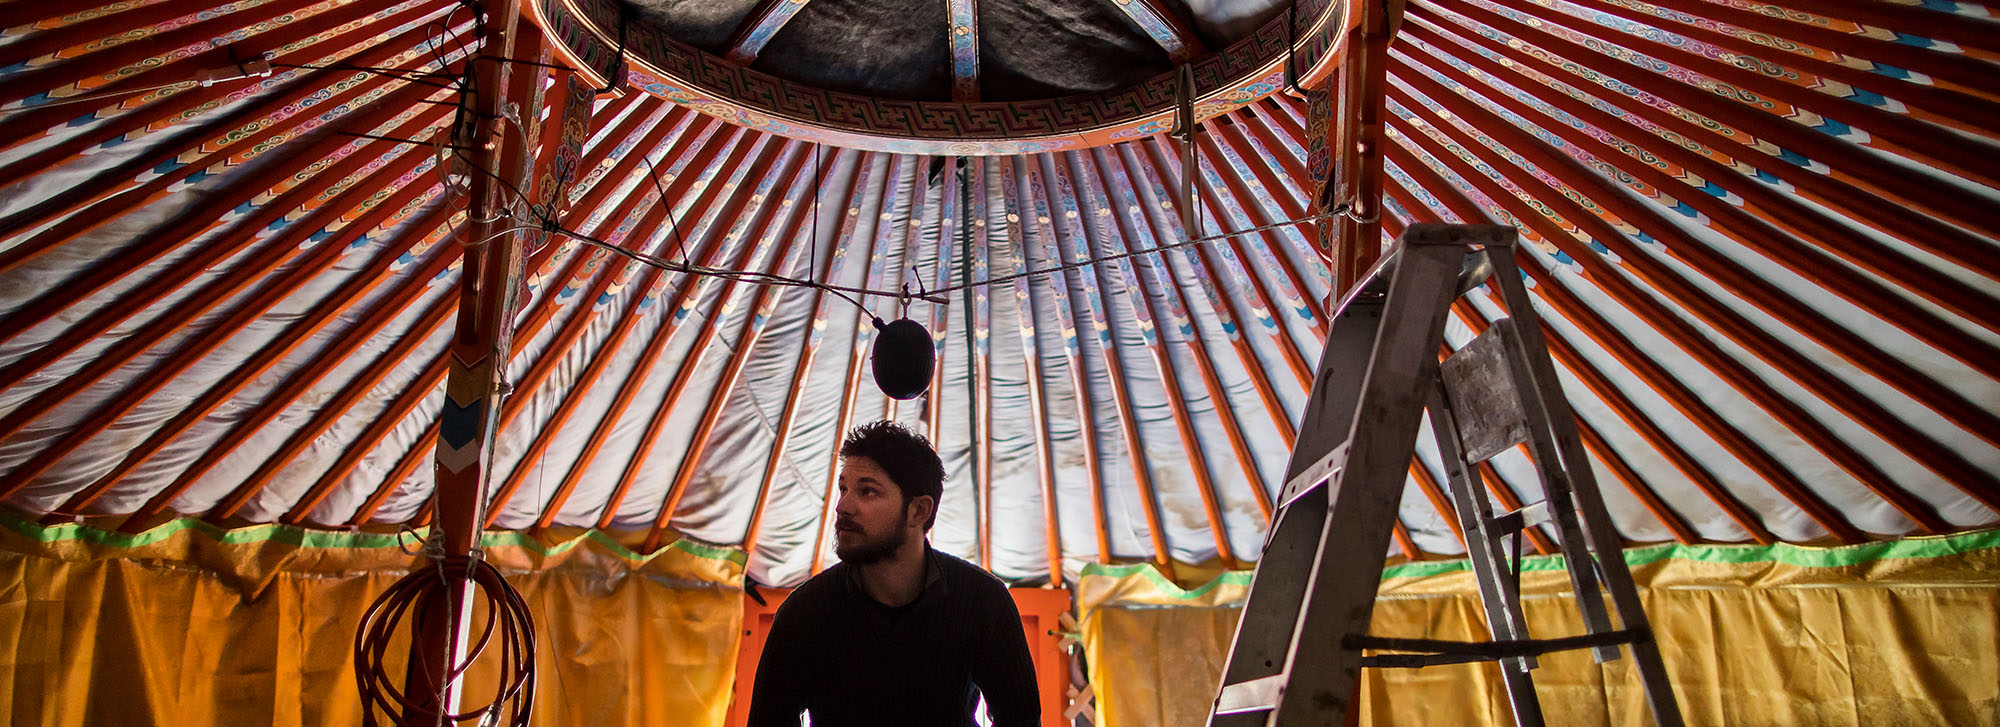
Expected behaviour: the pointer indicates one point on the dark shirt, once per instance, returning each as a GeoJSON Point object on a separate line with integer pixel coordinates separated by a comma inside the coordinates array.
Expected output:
{"type": "Point", "coordinates": [849, 660]}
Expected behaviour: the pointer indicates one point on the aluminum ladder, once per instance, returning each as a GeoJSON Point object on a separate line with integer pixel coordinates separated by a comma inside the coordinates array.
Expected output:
{"type": "Point", "coordinates": [1297, 654]}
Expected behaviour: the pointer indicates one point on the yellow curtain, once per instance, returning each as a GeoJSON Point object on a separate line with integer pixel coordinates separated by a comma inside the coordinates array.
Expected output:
{"type": "Point", "coordinates": [1904, 632]}
{"type": "Point", "coordinates": [188, 624]}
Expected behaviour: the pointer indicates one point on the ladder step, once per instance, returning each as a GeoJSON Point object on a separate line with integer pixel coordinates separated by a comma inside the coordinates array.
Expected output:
{"type": "Point", "coordinates": [1256, 695]}
{"type": "Point", "coordinates": [1526, 517]}
{"type": "Point", "coordinates": [1496, 650]}
{"type": "Point", "coordinates": [1318, 472]}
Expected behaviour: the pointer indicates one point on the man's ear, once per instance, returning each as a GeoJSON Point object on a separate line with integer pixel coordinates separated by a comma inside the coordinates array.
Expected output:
{"type": "Point", "coordinates": [921, 508]}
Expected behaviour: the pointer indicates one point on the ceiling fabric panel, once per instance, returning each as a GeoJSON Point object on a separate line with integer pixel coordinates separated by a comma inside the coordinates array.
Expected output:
{"type": "Point", "coordinates": [1760, 236]}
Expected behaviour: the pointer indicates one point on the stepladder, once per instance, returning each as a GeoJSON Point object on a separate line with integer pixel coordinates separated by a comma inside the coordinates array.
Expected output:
{"type": "Point", "coordinates": [1304, 634]}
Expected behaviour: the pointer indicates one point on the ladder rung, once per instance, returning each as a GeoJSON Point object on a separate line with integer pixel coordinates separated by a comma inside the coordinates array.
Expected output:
{"type": "Point", "coordinates": [1526, 517]}
{"type": "Point", "coordinates": [1256, 695]}
{"type": "Point", "coordinates": [1319, 471]}
{"type": "Point", "coordinates": [1495, 650]}
{"type": "Point", "coordinates": [1416, 661]}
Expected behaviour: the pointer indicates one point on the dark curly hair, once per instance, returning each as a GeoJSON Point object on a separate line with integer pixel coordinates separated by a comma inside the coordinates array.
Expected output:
{"type": "Point", "coordinates": [906, 456]}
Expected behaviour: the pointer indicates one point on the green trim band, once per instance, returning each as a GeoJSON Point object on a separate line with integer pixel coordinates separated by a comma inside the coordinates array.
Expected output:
{"type": "Point", "coordinates": [312, 538]}
{"type": "Point", "coordinates": [1803, 556]}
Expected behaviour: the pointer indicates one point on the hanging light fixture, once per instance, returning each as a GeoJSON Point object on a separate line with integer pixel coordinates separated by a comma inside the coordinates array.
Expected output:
{"type": "Point", "coordinates": [903, 359]}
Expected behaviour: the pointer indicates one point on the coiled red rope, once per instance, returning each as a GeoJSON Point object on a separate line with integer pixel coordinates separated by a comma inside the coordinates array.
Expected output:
{"type": "Point", "coordinates": [507, 616]}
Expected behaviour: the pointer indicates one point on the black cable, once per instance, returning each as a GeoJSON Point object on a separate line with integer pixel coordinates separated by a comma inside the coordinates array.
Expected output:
{"type": "Point", "coordinates": [673, 223]}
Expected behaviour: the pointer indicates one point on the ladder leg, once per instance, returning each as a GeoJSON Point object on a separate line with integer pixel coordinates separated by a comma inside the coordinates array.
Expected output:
{"type": "Point", "coordinates": [1265, 634]}
{"type": "Point", "coordinates": [1363, 498]}
{"type": "Point", "coordinates": [1602, 538]}
{"type": "Point", "coordinates": [1497, 594]}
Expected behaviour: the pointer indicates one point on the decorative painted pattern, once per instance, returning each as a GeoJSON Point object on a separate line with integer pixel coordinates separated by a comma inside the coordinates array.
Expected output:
{"type": "Point", "coordinates": [1246, 71]}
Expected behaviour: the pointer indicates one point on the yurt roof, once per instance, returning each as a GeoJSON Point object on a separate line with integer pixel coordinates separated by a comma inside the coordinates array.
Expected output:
{"type": "Point", "coordinates": [1762, 237]}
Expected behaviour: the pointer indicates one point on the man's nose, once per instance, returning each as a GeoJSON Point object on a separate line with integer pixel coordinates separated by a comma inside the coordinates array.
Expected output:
{"type": "Point", "coordinates": [841, 506]}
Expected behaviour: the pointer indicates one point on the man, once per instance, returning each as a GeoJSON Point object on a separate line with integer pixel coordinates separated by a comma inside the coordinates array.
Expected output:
{"type": "Point", "coordinates": [896, 633]}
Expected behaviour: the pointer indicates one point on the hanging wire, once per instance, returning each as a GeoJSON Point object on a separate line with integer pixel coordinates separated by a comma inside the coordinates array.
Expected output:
{"type": "Point", "coordinates": [544, 220]}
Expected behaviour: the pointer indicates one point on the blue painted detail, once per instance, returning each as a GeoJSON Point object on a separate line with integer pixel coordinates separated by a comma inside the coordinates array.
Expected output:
{"type": "Point", "coordinates": [83, 120]}
{"type": "Point", "coordinates": [167, 166]}
{"type": "Point", "coordinates": [1715, 190]}
{"type": "Point", "coordinates": [1907, 39]}
{"type": "Point", "coordinates": [459, 425]}
{"type": "Point", "coordinates": [1794, 157]}
{"type": "Point", "coordinates": [603, 298]}
{"type": "Point", "coordinates": [36, 100]}
{"type": "Point", "coordinates": [362, 240]}
{"type": "Point", "coordinates": [1834, 127]}
{"type": "Point", "coordinates": [111, 142]}
{"type": "Point", "coordinates": [322, 234]}
{"type": "Point", "coordinates": [1564, 258]}
{"type": "Point", "coordinates": [13, 69]}
{"type": "Point", "coordinates": [1229, 329]}
{"type": "Point", "coordinates": [1892, 71]}
{"type": "Point", "coordinates": [1765, 176]}
{"type": "Point", "coordinates": [1648, 239]}
{"type": "Point", "coordinates": [1598, 246]}
{"type": "Point", "coordinates": [405, 259]}
{"type": "Point", "coordinates": [1685, 210]}
{"type": "Point", "coordinates": [1305, 313]}
{"type": "Point", "coordinates": [646, 302]}
{"type": "Point", "coordinates": [1870, 98]}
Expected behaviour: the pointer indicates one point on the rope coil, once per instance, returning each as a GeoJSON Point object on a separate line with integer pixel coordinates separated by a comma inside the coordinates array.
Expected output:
{"type": "Point", "coordinates": [507, 616]}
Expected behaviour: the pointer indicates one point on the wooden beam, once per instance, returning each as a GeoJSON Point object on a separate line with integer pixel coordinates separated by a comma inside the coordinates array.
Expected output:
{"type": "Point", "coordinates": [962, 36]}
{"type": "Point", "coordinates": [1110, 180]}
{"type": "Point", "coordinates": [1046, 198]}
{"type": "Point", "coordinates": [1165, 27]}
{"type": "Point", "coordinates": [759, 26]}
{"type": "Point", "coordinates": [1013, 187]}
{"type": "Point", "coordinates": [1082, 247]}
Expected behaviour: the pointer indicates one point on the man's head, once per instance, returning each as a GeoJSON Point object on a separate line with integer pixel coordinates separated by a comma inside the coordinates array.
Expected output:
{"type": "Point", "coordinates": [890, 482]}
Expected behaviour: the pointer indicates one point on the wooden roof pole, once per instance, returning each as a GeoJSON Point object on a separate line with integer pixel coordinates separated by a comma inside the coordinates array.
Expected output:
{"type": "Point", "coordinates": [1038, 196]}
{"type": "Point", "coordinates": [1078, 201]}
{"type": "Point", "coordinates": [775, 226]}
{"type": "Point", "coordinates": [586, 311]}
{"type": "Point", "coordinates": [885, 227]}
{"type": "Point", "coordinates": [1788, 211]}
{"type": "Point", "coordinates": [1224, 410]}
{"type": "Point", "coordinates": [1012, 186]}
{"type": "Point", "coordinates": [687, 297]}
{"type": "Point", "coordinates": [1116, 185]}
{"type": "Point", "coordinates": [1846, 162]}
{"type": "Point", "coordinates": [541, 312]}
{"type": "Point", "coordinates": [1212, 271]}
{"type": "Point", "coordinates": [1048, 196]}
{"type": "Point", "coordinates": [815, 332]}
{"type": "Point", "coordinates": [1726, 434]}
{"type": "Point", "coordinates": [1741, 283]}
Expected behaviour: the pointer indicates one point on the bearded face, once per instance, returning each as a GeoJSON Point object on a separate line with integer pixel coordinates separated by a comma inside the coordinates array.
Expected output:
{"type": "Point", "coordinates": [871, 519]}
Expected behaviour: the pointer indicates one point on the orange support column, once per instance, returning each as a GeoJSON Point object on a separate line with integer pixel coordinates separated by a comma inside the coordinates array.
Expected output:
{"type": "Point", "coordinates": [489, 285]}
{"type": "Point", "coordinates": [1352, 242]}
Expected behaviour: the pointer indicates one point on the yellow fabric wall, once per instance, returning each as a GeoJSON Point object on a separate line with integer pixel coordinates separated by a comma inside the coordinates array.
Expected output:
{"type": "Point", "coordinates": [1900, 633]}
{"type": "Point", "coordinates": [190, 625]}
